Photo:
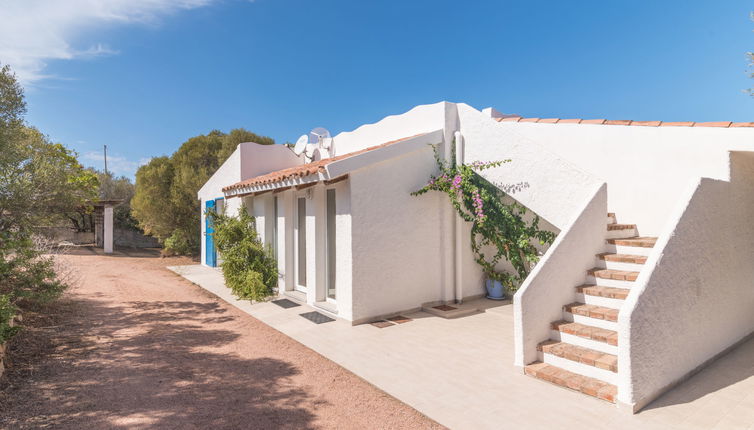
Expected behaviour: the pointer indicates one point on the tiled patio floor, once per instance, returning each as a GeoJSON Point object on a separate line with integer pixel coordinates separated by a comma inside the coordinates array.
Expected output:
{"type": "Point", "coordinates": [459, 372]}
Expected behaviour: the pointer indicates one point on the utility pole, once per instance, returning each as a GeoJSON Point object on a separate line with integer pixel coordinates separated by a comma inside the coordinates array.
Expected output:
{"type": "Point", "coordinates": [105, 159]}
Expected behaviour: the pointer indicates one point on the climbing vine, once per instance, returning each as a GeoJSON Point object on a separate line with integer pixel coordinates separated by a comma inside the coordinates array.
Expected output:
{"type": "Point", "coordinates": [496, 224]}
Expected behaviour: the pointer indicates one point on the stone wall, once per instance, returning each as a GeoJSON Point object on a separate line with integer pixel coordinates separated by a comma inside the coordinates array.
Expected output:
{"type": "Point", "coordinates": [134, 239]}
{"type": "Point", "coordinates": [121, 237]}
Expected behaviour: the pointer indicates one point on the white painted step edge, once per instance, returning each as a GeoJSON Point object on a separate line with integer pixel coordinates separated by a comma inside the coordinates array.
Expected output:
{"type": "Point", "coordinates": [579, 368]}
{"type": "Point", "coordinates": [621, 234]}
{"type": "Point", "coordinates": [602, 282]}
{"type": "Point", "coordinates": [632, 250]}
{"type": "Point", "coordinates": [594, 322]}
{"type": "Point", "coordinates": [599, 301]}
{"type": "Point", "coordinates": [616, 265]}
{"type": "Point", "coordinates": [582, 341]}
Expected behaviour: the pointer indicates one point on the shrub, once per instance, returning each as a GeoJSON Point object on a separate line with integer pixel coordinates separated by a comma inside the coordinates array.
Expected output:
{"type": "Point", "coordinates": [250, 270]}
{"type": "Point", "coordinates": [178, 244]}
{"type": "Point", "coordinates": [7, 313]}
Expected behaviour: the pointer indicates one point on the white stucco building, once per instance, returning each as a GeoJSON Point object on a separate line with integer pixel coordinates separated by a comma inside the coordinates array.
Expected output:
{"type": "Point", "coordinates": [621, 311]}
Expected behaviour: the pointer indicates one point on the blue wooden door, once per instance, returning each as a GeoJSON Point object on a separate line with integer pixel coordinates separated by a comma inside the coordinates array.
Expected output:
{"type": "Point", "coordinates": [209, 241]}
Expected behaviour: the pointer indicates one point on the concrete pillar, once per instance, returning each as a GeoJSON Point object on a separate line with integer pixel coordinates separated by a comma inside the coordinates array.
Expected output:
{"type": "Point", "coordinates": [108, 245]}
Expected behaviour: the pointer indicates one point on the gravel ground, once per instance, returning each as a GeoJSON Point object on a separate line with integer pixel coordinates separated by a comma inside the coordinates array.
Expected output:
{"type": "Point", "coordinates": [132, 345]}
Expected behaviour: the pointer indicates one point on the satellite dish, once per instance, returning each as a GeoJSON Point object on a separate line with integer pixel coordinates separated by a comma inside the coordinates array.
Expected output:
{"type": "Point", "coordinates": [301, 144]}
{"type": "Point", "coordinates": [318, 134]}
{"type": "Point", "coordinates": [320, 153]}
{"type": "Point", "coordinates": [310, 150]}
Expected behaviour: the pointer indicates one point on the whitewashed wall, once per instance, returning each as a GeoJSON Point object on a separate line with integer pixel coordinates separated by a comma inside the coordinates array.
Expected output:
{"type": "Point", "coordinates": [420, 119]}
{"type": "Point", "coordinates": [646, 168]}
{"type": "Point", "coordinates": [396, 243]}
{"type": "Point", "coordinates": [696, 296]}
{"type": "Point", "coordinates": [541, 179]}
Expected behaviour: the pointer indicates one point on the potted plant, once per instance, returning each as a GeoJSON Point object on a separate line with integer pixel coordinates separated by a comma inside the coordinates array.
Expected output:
{"type": "Point", "coordinates": [494, 286]}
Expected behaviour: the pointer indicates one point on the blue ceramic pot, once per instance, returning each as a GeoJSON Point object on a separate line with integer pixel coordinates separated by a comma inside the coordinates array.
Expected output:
{"type": "Point", "coordinates": [495, 290]}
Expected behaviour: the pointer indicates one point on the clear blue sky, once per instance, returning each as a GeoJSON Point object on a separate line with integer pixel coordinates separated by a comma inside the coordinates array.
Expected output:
{"type": "Point", "coordinates": [145, 83]}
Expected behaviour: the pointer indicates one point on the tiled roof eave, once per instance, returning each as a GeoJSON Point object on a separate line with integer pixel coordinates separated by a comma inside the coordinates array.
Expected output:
{"type": "Point", "coordinates": [322, 170]}
{"type": "Point", "coordinates": [720, 124]}
{"type": "Point", "coordinates": [274, 185]}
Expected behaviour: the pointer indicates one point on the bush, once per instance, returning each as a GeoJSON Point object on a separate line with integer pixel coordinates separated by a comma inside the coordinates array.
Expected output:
{"type": "Point", "coordinates": [7, 313]}
{"type": "Point", "coordinates": [249, 268]}
{"type": "Point", "coordinates": [178, 244]}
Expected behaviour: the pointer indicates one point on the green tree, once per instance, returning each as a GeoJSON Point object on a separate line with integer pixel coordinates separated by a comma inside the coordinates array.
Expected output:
{"type": "Point", "coordinates": [40, 182]}
{"type": "Point", "coordinates": [118, 188]}
{"type": "Point", "coordinates": [165, 202]}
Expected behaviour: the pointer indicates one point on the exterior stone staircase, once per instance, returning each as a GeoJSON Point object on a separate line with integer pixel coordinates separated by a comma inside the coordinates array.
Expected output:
{"type": "Point", "coordinates": [582, 351]}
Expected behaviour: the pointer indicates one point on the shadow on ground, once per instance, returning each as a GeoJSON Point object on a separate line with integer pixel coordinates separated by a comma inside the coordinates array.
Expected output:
{"type": "Point", "coordinates": [143, 364]}
{"type": "Point", "coordinates": [725, 372]}
{"type": "Point", "coordinates": [118, 251]}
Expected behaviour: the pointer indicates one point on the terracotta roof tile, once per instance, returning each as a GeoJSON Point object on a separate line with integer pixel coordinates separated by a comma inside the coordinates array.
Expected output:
{"type": "Point", "coordinates": [678, 124]}
{"type": "Point", "coordinates": [713, 124]}
{"type": "Point", "coordinates": [647, 123]}
{"type": "Point", "coordinates": [723, 124]}
{"type": "Point", "coordinates": [304, 169]}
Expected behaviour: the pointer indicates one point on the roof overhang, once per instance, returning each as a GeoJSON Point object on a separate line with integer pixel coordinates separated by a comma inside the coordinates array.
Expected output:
{"type": "Point", "coordinates": [338, 170]}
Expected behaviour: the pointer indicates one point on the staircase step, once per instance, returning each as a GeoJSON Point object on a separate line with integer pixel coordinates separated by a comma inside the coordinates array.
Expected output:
{"type": "Point", "coordinates": [611, 227]}
{"type": "Point", "coordinates": [642, 242]}
{"type": "Point", "coordinates": [580, 354]}
{"type": "Point", "coordinates": [597, 334]}
{"type": "Point", "coordinates": [592, 311]}
{"type": "Point", "coordinates": [607, 292]}
{"type": "Point", "coordinates": [622, 258]}
{"type": "Point", "coordinates": [584, 384]}
{"type": "Point", "coordinates": [618, 275]}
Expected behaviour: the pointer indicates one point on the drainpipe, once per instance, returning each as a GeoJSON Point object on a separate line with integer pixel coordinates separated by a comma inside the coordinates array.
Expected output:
{"type": "Point", "coordinates": [458, 248]}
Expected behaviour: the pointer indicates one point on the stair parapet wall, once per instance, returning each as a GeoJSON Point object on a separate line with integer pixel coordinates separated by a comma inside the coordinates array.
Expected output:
{"type": "Point", "coordinates": [552, 283]}
{"type": "Point", "coordinates": [695, 298]}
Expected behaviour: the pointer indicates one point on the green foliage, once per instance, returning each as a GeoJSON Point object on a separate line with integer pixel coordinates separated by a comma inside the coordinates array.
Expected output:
{"type": "Point", "coordinates": [495, 224]}
{"type": "Point", "coordinates": [118, 188]}
{"type": "Point", "coordinates": [165, 198]}
{"type": "Point", "coordinates": [40, 181]}
{"type": "Point", "coordinates": [249, 268]}
{"type": "Point", "coordinates": [7, 313]}
{"type": "Point", "coordinates": [178, 243]}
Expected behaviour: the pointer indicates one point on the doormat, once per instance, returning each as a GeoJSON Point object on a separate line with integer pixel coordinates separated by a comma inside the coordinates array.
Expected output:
{"type": "Point", "coordinates": [399, 319]}
{"type": "Point", "coordinates": [444, 308]}
{"type": "Point", "coordinates": [285, 303]}
{"type": "Point", "coordinates": [316, 317]}
{"type": "Point", "coordinates": [381, 324]}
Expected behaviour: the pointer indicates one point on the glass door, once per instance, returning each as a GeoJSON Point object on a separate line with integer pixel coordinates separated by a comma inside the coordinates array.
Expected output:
{"type": "Point", "coordinates": [330, 244]}
{"type": "Point", "coordinates": [300, 244]}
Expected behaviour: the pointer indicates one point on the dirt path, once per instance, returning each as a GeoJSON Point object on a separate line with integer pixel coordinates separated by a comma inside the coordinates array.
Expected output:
{"type": "Point", "coordinates": [132, 345]}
